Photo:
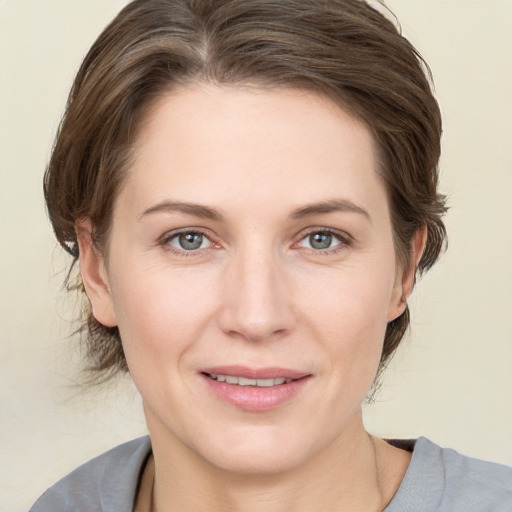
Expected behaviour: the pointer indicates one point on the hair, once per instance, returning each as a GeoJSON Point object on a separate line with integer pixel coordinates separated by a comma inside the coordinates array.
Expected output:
{"type": "Point", "coordinates": [345, 50]}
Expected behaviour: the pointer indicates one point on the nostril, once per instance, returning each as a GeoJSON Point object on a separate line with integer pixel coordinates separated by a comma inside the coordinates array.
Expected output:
{"type": "Point", "coordinates": [255, 305]}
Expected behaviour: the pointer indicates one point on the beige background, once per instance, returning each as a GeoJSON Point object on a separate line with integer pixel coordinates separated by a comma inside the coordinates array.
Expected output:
{"type": "Point", "coordinates": [452, 381]}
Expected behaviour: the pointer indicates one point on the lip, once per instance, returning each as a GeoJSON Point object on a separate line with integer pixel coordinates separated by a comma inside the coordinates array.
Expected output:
{"type": "Point", "coordinates": [254, 398]}
{"type": "Point", "coordinates": [255, 373]}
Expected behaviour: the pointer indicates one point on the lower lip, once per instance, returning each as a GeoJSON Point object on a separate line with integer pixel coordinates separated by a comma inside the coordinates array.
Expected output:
{"type": "Point", "coordinates": [254, 398]}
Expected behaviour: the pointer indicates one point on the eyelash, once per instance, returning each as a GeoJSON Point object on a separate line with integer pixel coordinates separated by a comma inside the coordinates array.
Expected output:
{"type": "Point", "coordinates": [168, 237]}
{"type": "Point", "coordinates": [345, 241]}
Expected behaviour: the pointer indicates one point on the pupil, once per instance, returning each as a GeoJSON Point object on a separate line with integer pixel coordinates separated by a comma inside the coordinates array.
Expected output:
{"type": "Point", "coordinates": [191, 241]}
{"type": "Point", "coordinates": [320, 240]}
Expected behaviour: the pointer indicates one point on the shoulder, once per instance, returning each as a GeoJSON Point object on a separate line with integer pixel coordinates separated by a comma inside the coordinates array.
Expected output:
{"type": "Point", "coordinates": [442, 480]}
{"type": "Point", "coordinates": [106, 483]}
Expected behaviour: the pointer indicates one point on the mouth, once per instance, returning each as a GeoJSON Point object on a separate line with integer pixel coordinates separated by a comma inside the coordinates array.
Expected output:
{"type": "Point", "coordinates": [244, 381]}
{"type": "Point", "coordinates": [255, 390]}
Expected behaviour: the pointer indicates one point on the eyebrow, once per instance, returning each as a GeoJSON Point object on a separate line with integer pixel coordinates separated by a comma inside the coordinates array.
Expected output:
{"type": "Point", "coordinates": [207, 212]}
{"type": "Point", "coordinates": [197, 210]}
{"type": "Point", "coordinates": [333, 205]}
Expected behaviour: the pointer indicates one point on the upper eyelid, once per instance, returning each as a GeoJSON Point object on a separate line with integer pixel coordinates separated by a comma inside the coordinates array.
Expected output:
{"type": "Point", "coordinates": [175, 232]}
{"type": "Point", "coordinates": [343, 235]}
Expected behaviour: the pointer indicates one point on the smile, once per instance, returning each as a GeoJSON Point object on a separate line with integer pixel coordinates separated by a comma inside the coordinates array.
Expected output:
{"type": "Point", "coordinates": [244, 381]}
{"type": "Point", "coordinates": [256, 390]}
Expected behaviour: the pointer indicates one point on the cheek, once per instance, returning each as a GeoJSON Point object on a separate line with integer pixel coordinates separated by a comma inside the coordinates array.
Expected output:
{"type": "Point", "coordinates": [356, 297]}
{"type": "Point", "coordinates": [159, 312]}
{"type": "Point", "coordinates": [349, 313]}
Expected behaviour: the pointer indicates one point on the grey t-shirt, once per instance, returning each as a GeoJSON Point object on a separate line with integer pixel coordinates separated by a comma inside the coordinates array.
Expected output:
{"type": "Point", "coordinates": [437, 480]}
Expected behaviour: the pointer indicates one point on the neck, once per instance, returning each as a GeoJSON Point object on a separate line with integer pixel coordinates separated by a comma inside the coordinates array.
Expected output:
{"type": "Point", "coordinates": [350, 474]}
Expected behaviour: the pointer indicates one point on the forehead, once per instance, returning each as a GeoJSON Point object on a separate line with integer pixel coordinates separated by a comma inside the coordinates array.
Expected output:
{"type": "Point", "coordinates": [251, 144]}
{"type": "Point", "coordinates": [261, 115]}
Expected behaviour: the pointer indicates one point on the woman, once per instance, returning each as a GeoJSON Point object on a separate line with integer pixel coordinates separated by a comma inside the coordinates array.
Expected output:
{"type": "Point", "coordinates": [250, 188]}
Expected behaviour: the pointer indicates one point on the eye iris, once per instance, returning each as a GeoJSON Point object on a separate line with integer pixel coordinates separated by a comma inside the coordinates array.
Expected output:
{"type": "Point", "coordinates": [320, 240]}
{"type": "Point", "coordinates": [191, 241]}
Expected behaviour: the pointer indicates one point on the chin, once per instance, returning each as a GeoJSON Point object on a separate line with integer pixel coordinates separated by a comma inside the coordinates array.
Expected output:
{"type": "Point", "coordinates": [270, 451]}
{"type": "Point", "coordinates": [257, 463]}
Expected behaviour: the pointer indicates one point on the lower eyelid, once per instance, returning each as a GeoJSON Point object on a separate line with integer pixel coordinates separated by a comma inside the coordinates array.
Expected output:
{"type": "Point", "coordinates": [170, 236]}
{"type": "Point", "coordinates": [343, 239]}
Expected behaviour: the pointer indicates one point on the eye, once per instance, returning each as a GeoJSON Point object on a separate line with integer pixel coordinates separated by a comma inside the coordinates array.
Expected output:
{"type": "Point", "coordinates": [188, 241]}
{"type": "Point", "coordinates": [323, 240]}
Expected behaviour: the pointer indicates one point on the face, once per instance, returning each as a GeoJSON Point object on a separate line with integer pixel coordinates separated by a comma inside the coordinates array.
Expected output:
{"type": "Point", "coordinates": [252, 273]}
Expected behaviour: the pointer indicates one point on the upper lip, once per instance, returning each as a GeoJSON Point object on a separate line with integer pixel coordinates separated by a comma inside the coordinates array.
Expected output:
{"type": "Point", "coordinates": [256, 373]}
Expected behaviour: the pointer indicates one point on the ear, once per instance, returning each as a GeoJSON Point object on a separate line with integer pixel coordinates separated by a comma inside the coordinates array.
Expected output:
{"type": "Point", "coordinates": [94, 275]}
{"type": "Point", "coordinates": [405, 277]}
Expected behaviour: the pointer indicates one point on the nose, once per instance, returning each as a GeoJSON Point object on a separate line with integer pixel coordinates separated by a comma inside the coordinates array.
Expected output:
{"type": "Point", "coordinates": [257, 302]}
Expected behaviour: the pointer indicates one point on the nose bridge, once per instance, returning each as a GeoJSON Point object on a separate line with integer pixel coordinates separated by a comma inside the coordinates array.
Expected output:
{"type": "Point", "coordinates": [257, 303]}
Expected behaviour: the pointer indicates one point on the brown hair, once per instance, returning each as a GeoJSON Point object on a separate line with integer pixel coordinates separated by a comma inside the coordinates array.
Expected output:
{"type": "Point", "coordinates": [343, 49]}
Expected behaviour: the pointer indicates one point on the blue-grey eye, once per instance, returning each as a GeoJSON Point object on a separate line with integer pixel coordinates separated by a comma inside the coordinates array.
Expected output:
{"type": "Point", "coordinates": [320, 240]}
{"type": "Point", "coordinates": [190, 241]}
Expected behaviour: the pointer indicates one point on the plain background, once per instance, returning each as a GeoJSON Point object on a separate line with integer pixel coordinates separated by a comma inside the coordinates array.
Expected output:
{"type": "Point", "coordinates": [452, 379]}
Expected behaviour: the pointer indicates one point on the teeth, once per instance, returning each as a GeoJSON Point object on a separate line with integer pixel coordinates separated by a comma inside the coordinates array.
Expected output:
{"type": "Point", "coordinates": [266, 383]}
{"type": "Point", "coordinates": [243, 381]}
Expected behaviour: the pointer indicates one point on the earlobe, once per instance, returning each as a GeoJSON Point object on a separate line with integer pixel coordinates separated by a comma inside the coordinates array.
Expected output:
{"type": "Point", "coordinates": [94, 275]}
{"type": "Point", "coordinates": [406, 278]}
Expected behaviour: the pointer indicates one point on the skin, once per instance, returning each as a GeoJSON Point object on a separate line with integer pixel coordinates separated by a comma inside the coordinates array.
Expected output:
{"type": "Point", "coordinates": [257, 293]}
